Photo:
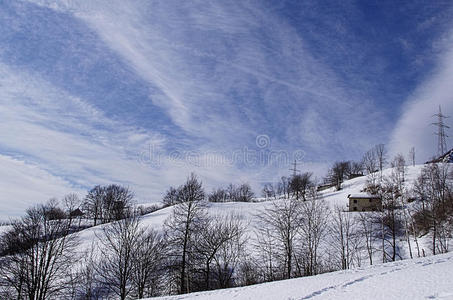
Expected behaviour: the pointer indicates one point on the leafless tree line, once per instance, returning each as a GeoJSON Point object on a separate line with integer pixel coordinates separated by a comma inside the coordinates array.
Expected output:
{"type": "Point", "coordinates": [372, 162]}
{"type": "Point", "coordinates": [36, 255]}
{"type": "Point", "coordinates": [303, 238]}
{"type": "Point", "coordinates": [109, 203]}
{"type": "Point", "coordinates": [195, 251]}
{"type": "Point", "coordinates": [424, 209]}
{"type": "Point", "coordinates": [289, 236]}
{"type": "Point", "coordinates": [203, 250]}
{"type": "Point", "coordinates": [296, 186]}
{"type": "Point", "coordinates": [433, 212]}
{"type": "Point", "coordinates": [232, 193]}
{"type": "Point", "coordinates": [408, 214]}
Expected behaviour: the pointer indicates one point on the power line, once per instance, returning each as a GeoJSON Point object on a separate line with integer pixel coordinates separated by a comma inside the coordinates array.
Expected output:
{"type": "Point", "coordinates": [442, 136]}
{"type": "Point", "coordinates": [294, 169]}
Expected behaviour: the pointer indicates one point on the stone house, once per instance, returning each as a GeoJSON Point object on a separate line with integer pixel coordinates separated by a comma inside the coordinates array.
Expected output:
{"type": "Point", "coordinates": [364, 202]}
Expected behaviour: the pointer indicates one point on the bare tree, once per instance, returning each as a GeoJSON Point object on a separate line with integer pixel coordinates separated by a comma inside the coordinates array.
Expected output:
{"type": "Point", "coordinates": [344, 233]}
{"type": "Point", "coordinates": [38, 254]}
{"type": "Point", "coordinates": [370, 161]}
{"type": "Point", "coordinates": [247, 270]}
{"type": "Point", "coordinates": [268, 260]}
{"type": "Point", "coordinates": [117, 202]}
{"type": "Point", "coordinates": [192, 190]}
{"type": "Point", "coordinates": [410, 213]}
{"type": "Point", "coordinates": [268, 191]}
{"type": "Point", "coordinates": [338, 173]}
{"type": "Point", "coordinates": [186, 222]}
{"type": "Point", "coordinates": [300, 183]}
{"type": "Point", "coordinates": [399, 170]}
{"type": "Point", "coordinates": [130, 261]}
{"type": "Point", "coordinates": [218, 195]}
{"type": "Point", "coordinates": [370, 164]}
{"type": "Point", "coordinates": [231, 255]}
{"type": "Point", "coordinates": [281, 222]}
{"type": "Point", "coordinates": [171, 197]}
{"type": "Point", "coordinates": [93, 202]}
{"type": "Point", "coordinates": [71, 202]}
{"type": "Point", "coordinates": [232, 192]}
{"type": "Point", "coordinates": [390, 192]}
{"type": "Point", "coordinates": [367, 230]}
{"type": "Point", "coordinates": [412, 156]}
{"type": "Point", "coordinates": [433, 188]}
{"type": "Point", "coordinates": [108, 203]}
{"type": "Point", "coordinates": [217, 233]}
{"type": "Point", "coordinates": [241, 193]}
{"type": "Point", "coordinates": [283, 187]}
{"type": "Point", "coordinates": [313, 228]}
{"type": "Point", "coordinates": [118, 242]}
{"type": "Point", "coordinates": [84, 278]}
{"type": "Point", "coordinates": [356, 168]}
{"type": "Point", "coordinates": [148, 258]}
{"type": "Point", "coordinates": [245, 193]}
{"type": "Point", "coordinates": [53, 211]}
{"type": "Point", "coordinates": [398, 178]}
{"type": "Point", "coordinates": [381, 155]}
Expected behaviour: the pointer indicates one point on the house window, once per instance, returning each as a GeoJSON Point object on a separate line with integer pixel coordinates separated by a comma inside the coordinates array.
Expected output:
{"type": "Point", "coordinates": [355, 201]}
{"type": "Point", "coordinates": [371, 200]}
{"type": "Point", "coordinates": [355, 208]}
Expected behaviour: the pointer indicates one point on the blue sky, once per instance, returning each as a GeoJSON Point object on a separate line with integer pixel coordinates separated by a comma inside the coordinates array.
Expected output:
{"type": "Point", "coordinates": [143, 92]}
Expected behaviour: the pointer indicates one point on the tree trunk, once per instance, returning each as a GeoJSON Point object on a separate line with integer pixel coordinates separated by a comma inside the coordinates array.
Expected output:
{"type": "Point", "coordinates": [383, 239]}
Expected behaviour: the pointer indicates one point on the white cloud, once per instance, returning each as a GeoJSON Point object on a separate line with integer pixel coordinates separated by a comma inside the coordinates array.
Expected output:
{"type": "Point", "coordinates": [59, 144]}
{"type": "Point", "coordinates": [414, 128]}
{"type": "Point", "coordinates": [23, 185]}
{"type": "Point", "coordinates": [63, 135]}
{"type": "Point", "coordinates": [223, 72]}
{"type": "Point", "coordinates": [201, 56]}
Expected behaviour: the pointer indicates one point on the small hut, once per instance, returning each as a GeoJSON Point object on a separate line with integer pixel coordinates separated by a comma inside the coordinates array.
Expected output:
{"type": "Point", "coordinates": [364, 202]}
{"type": "Point", "coordinates": [76, 213]}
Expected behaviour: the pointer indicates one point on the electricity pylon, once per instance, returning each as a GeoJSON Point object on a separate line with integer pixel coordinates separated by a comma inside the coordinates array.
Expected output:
{"type": "Point", "coordinates": [442, 136]}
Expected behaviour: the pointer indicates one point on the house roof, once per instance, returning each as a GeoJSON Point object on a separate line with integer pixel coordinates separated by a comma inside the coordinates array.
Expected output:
{"type": "Point", "coordinates": [76, 213]}
{"type": "Point", "coordinates": [363, 196]}
{"type": "Point", "coordinates": [446, 158]}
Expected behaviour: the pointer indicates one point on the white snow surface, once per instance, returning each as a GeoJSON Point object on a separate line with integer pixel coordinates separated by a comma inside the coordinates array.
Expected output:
{"type": "Point", "coordinates": [421, 278]}
{"type": "Point", "coordinates": [248, 211]}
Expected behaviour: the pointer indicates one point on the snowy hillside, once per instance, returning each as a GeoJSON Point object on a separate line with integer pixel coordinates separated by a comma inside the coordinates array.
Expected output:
{"type": "Point", "coordinates": [422, 278]}
{"type": "Point", "coordinates": [418, 278]}
{"type": "Point", "coordinates": [248, 211]}
{"type": "Point", "coordinates": [356, 185]}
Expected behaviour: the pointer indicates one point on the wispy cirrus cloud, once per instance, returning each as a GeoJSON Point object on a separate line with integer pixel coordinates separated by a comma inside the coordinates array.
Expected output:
{"type": "Point", "coordinates": [54, 143]}
{"type": "Point", "coordinates": [143, 92]}
{"type": "Point", "coordinates": [415, 126]}
{"type": "Point", "coordinates": [222, 70]}
{"type": "Point", "coordinates": [68, 138]}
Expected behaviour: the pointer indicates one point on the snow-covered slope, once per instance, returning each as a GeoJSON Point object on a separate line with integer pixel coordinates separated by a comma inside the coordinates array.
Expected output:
{"type": "Point", "coordinates": [356, 185]}
{"type": "Point", "coordinates": [422, 278]}
{"type": "Point", "coordinates": [248, 211]}
{"type": "Point", "coordinates": [416, 279]}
